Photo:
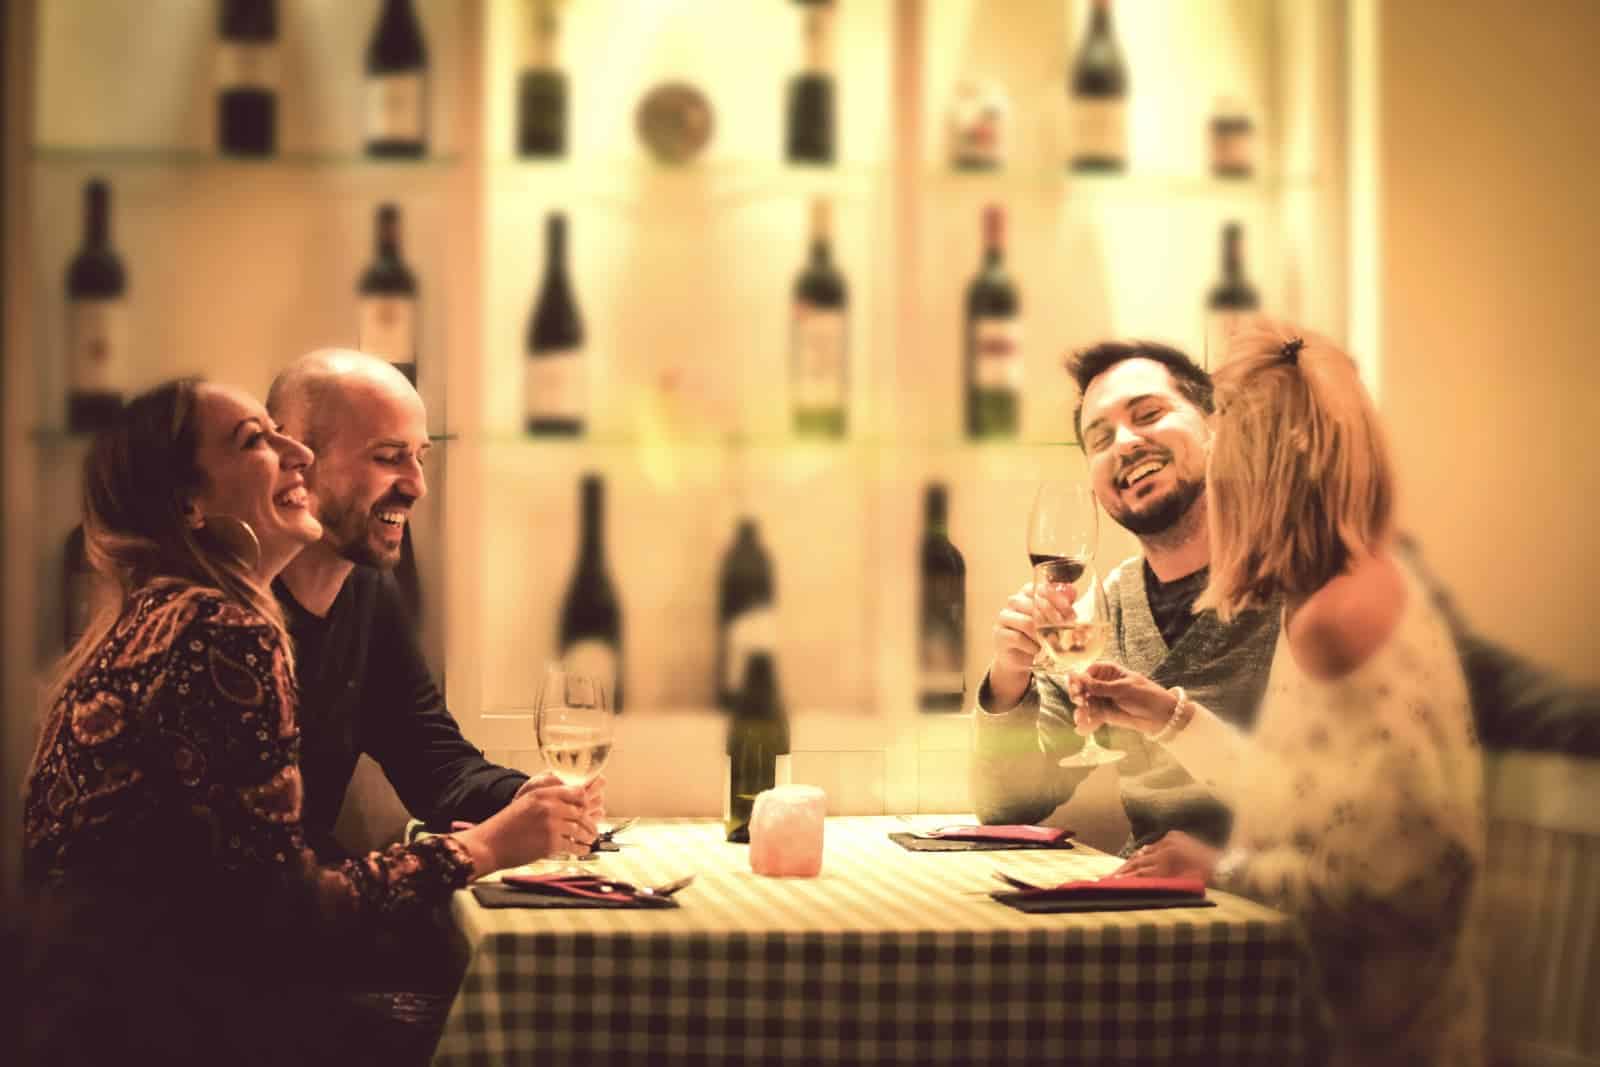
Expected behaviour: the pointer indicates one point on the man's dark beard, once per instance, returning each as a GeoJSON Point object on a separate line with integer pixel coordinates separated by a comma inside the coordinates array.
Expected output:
{"type": "Point", "coordinates": [1164, 515]}
{"type": "Point", "coordinates": [346, 529]}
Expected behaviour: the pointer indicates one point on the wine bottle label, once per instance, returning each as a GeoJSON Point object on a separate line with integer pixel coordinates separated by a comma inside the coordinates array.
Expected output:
{"type": "Point", "coordinates": [819, 356]}
{"type": "Point", "coordinates": [597, 659]}
{"type": "Point", "coordinates": [752, 630]}
{"type": "Point", "coordinates": [247, 66]}
{"type": "Point", "coordinates": [1232, 149]}
{"type": "Point", "coordinates": [979, 120]}
{"type": "Point", "coordinates": [97, 346]}
{"type": "Point", "coordinates": [1099, 128]}
{"type": "Point", "coordinates": [388, 326]}
{"type": "Point", "coordinates": [1220, 328]}
{"type": "Point", "coordinates": [394, 107]}
{"type": "Point", "coordinates": [999, 354]}
{"type": "Point", "coordinates": [555, 387]}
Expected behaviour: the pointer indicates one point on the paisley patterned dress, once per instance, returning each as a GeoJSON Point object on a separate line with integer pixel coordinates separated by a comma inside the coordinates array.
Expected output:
{"type": "Point", "coordinates": [176, 914]}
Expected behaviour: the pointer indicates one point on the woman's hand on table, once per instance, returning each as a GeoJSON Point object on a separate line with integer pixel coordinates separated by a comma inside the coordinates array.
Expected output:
{"type": "Point", "coordinates": [1174, 854]}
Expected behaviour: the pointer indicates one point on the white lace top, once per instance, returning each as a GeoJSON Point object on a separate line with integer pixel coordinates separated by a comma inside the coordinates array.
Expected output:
{"type": "Point", "coordinates": [1358, 806]}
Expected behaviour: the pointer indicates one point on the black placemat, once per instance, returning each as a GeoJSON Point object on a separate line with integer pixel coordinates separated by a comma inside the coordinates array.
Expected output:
{"type": "Point", "coordinates": [1052, 905]}
{"type": "Point", "coordinates": [913, 843]}
{"type": "Point", "coordinates": [501, 896]}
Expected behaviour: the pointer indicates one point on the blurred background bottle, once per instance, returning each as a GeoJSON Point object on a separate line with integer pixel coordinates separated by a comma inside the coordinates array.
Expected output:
{"type": "Point", "coordinates": [810, 133]}
{"type": "Point", "coordinates": [745, 621]}
{"type": "Point", "coordinates": [247, 78]}
{"type": "Point", "coordinates": [819, 371]}
{"type": "Point", "coordinates": [388, 298]}
{"type": "Point", "coordinates": [1232, 299]}
{"type": "Point", "coordinates": [757, 748]}
{"type": "Point", "coordinates": [555, 396]}
{"type": "Point", "coordinates": [397, 84]}
{"type": "Point", "coordinates": [97, 328]}
{"type": "Point", "coordinates": [1099, 99]}
{"type": "Point", "coordinates": [994, 339]}
{"type": "Point", "coordinates": [542, 91]}
{"type": "Point", "coordinates": [942, 611]}
{"type": "Point", "coordinates": [591, 618]}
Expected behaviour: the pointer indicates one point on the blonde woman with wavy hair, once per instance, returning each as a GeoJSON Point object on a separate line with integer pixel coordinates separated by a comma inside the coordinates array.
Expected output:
{"type": "Point", "coordinates": [1358, 795]}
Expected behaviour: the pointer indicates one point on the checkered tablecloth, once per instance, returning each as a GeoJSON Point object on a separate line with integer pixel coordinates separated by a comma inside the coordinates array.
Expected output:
{"type": "Point", "coordinates": [889, 957]}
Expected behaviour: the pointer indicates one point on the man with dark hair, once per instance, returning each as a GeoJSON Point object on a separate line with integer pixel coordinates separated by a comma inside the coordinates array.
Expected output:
{"type": "Point", "coordinates": [1141, 421]}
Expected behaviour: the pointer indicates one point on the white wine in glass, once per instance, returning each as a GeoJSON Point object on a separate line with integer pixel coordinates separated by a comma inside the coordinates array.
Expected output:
{"type": "Point", "coordinates": [1072, 634]}
{"type": "Point", "coordinates": [575, 726]}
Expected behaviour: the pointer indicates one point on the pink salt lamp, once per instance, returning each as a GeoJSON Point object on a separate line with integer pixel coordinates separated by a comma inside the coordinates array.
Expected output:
{"type": "Point", "coordinates": [786, 831]}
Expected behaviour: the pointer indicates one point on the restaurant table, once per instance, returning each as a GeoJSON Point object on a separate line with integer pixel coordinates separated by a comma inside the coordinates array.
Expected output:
{"type": "Point", "coordinates": [888, 957]}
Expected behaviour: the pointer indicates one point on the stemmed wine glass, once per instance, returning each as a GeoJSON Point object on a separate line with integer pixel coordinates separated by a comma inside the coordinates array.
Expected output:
{"type": "Point", "coordinates": [1063, 530]}
{"type": "Point", "coordinates": [575, 725]}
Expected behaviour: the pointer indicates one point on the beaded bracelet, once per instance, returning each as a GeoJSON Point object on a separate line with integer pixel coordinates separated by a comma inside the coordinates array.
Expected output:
{"type": "Point", "coordinates": [1182, 712]}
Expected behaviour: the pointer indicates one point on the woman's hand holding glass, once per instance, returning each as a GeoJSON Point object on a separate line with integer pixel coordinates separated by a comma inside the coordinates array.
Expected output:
{"type": "Point", "coordinates": [1107, 694]}
{"type": "Point", "coordinates": [544, 818]}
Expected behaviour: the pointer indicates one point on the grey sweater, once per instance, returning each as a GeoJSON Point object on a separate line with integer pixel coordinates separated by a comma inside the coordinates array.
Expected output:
{"type": "Point", "coordinates": [1015, 776]}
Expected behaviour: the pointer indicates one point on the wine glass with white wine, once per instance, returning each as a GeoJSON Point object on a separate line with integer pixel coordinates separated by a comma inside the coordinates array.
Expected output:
{"type": "Point", "coordinates": [1063, 530]}
{"type": "Point", "coordinates": [576, 724]}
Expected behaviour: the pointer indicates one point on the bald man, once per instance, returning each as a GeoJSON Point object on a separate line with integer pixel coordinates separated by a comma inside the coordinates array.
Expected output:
{"type": "Point", "coordinates": [365, 686]}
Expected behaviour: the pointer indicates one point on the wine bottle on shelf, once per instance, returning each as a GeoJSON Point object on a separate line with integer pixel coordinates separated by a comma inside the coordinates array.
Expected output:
{"type": "Point", "coordinates": [408, 579]}
{"type": "Point", "coordinates": [556, 388]}
{"type": "Point", "coordinates": [247, 78]}
{"type": "Point", "coordinates": [397, 84]}
{"type": "Point", "coordinates": [758, 746]}
{"type": "Point", "coordinates": [1232, 298]}
{"type": "Point", "coordinates": [542, 92]}
{"type": "Point", "coordinates": [1099, 99]}
{"type": "Point", "coordinates": [994, 339]}
{"type": "Point", "coordinates": [1232, 141]}
{"type": "Point", "coordinates": [77, 589]}
{"type": "Point", "coordinates": [943, 612]}
{"type": "Point", "coordinates": [388, 294]}
{"type": "Point", "coordinates": [97, 345]}
{"type": "Point", "coordinates": [591, 620]}
{"type": "Point", "coordinates": [810, 130]}
{"type": "Point", "coordinates": [745, 621]}
{"type": "Point", "coordinates": [820, 368]}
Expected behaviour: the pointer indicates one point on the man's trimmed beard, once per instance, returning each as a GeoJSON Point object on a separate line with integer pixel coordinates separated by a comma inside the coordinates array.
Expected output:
{"type": "Point", "coordinates": [1164, 514]}
{"type": "Point", "coordinates": [348, 532]}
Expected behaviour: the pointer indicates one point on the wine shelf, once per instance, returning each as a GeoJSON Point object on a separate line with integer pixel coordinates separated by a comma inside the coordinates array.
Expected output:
{"type": "Point", "coordinates": [1158, 186]}
{"type": "Point", "coordinates": [150, 157]}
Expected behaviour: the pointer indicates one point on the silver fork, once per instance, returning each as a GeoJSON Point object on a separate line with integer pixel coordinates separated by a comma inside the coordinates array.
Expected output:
{"type": "Point", "coordinates": [1013, 881]}
{"type": "Point", "coordinates": [668, 889]}
{"type": "Point", "coordinates": [607, 835]}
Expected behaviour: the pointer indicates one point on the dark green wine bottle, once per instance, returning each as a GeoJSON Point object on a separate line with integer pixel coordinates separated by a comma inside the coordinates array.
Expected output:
{"type": "Point", "coordinates": [758, 745]}
{"type": "Point", "coordinates": [994, 347]}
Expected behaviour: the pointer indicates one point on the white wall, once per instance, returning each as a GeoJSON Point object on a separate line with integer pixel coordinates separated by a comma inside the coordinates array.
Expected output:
{"type": "Point", "coordinates": [1491, 365]}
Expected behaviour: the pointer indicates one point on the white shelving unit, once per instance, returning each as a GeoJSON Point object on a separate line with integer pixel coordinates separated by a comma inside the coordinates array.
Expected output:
{"type": "Point", "coordinates": [683, 276]}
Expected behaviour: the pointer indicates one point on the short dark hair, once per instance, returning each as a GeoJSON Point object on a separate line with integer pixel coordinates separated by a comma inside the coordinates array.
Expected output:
{"type": "Point", "coordinates": [1085, 365]}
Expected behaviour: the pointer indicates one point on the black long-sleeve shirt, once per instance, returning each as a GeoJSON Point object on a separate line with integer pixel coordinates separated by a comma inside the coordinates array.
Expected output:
{"type": "Point", "coordinates": [366, 688]}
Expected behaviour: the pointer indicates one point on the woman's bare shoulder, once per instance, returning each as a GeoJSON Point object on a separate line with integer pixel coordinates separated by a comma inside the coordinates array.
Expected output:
{"type": "Point", "coordinates": [1341, 625]}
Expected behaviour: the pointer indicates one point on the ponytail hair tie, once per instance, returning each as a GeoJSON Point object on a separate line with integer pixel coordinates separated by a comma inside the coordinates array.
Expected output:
{"type": "Point", "coordinates": [1290, 352]}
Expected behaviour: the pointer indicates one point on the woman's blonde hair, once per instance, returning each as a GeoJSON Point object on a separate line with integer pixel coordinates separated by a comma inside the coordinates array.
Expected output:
{"type": "Point", "coordinates": [1299, 478]}
{"type": "Point", "coordinates": [138, 478]}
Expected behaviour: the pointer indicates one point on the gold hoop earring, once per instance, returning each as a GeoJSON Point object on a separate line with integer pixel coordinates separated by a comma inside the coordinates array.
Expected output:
{"type": "Point", "coordinates": [236, 538]}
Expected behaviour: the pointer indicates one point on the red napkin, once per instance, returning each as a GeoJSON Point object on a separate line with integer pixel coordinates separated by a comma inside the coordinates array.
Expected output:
{"type": "Point", "coordinates": [1124, 887]}
{"type": "Point", "coordinates": [588, 886]}
{"type": "Point", "coordinates": [1029, 835]}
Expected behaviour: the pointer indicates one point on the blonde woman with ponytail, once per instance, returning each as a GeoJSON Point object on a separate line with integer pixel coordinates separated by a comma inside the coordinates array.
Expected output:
{"type": "Point", "coordinates": [177, 914]}
{"type": "Point", "coordinates": [1358, 795]}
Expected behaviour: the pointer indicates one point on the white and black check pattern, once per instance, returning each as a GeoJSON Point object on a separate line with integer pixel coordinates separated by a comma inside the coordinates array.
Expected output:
{"type": "Point", "coordinates": [889, 957]}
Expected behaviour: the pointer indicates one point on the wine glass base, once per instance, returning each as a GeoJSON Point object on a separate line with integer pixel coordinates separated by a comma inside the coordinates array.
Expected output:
{"type": "Point", "coordinates": [1095, 757]}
